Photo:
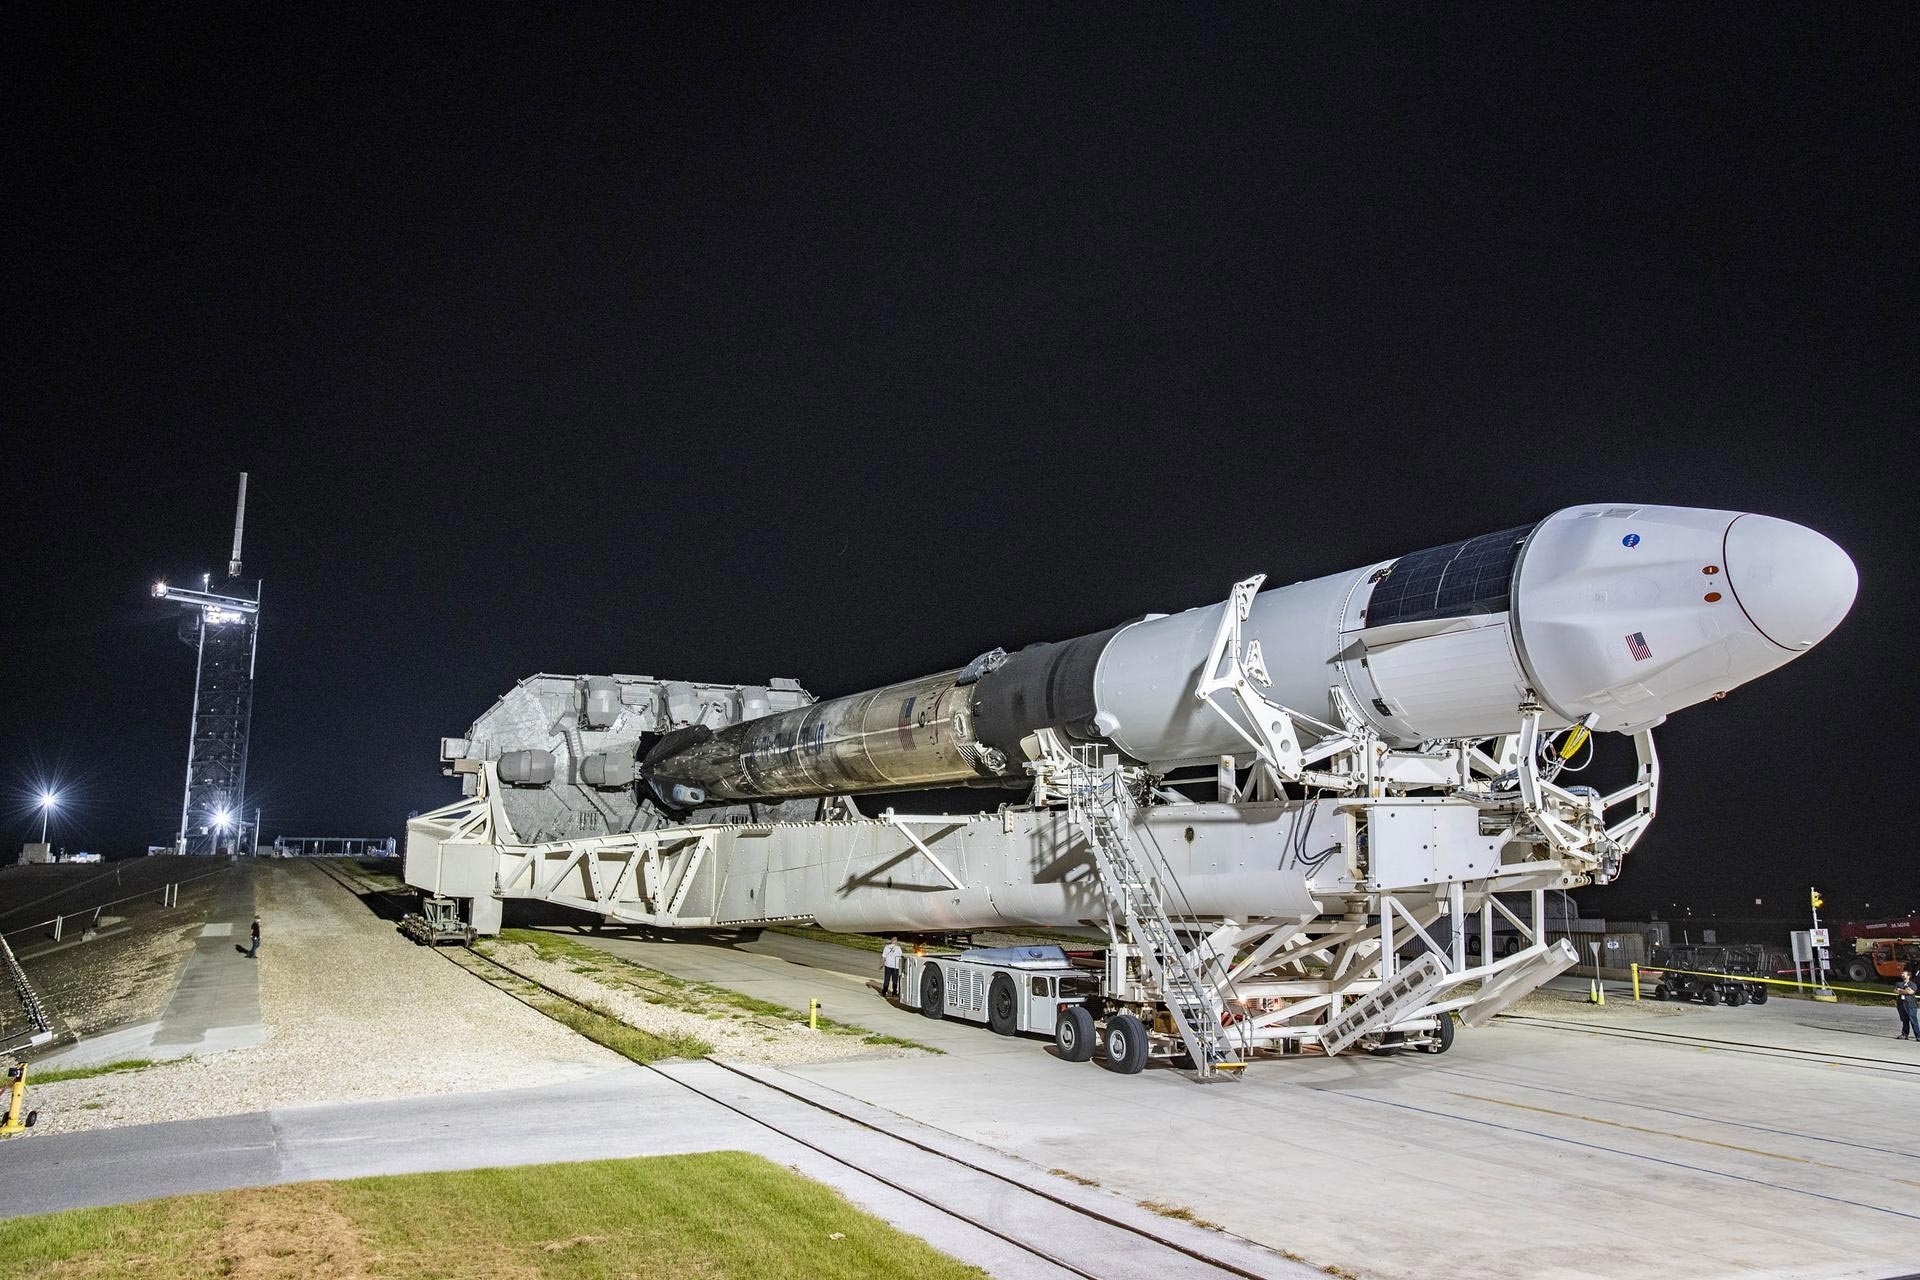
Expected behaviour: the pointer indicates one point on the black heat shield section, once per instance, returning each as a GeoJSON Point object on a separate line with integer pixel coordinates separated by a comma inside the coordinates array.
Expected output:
{"type": "Point", "coordinates": [1044, 686]}
{"type": "Point", "coordinates": [1474, 576]}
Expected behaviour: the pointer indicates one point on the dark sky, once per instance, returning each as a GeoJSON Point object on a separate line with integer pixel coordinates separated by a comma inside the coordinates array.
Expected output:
{"type": "Point", "coordinates": [845, 344]}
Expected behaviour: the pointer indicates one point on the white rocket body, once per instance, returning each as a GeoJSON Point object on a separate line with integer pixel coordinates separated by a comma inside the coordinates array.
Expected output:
{"type": "Point", "coordinates": [1627, 613]}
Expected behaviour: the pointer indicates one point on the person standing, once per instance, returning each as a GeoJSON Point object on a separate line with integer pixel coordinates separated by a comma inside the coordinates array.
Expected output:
{"type": "Point", "coordinates": [253, 952]}
{"type": "Point", "coordinates": [890, 968]}
{"type": "Point", "coordinates": [1903, 1000]}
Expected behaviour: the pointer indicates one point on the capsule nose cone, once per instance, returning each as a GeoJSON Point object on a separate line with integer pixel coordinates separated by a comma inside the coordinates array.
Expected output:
{"type": "Point", "coordinates": [1794, 584]}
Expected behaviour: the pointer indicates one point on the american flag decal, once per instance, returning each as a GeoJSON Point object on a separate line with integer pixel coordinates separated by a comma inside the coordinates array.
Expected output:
{"type": "Point", "coordinates": [1637, 646]}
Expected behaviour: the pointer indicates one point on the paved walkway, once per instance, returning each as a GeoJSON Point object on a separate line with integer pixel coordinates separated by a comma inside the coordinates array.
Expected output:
{"type": "Point", "coordinates": [215, 1004]}
{"type": "Point", "coordinates": [627, 1112]}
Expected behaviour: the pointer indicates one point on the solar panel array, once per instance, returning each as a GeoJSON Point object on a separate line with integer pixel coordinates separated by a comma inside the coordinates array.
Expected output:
{"type": "Point", "coordinates": [1473, 576]}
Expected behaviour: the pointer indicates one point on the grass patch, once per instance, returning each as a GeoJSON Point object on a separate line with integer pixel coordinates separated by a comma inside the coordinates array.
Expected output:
{"type": "Point", "coordinates": [1179, 1213]}
{"type": "Point", "coordinates": [629, 1042]}
{"type": "Point", "coordinates": [664, 989]}
{"type": "Point", "coordinates": [857, 941]}
{"type": "Point", "coordinates": [1073, 1177]}
{"type": "Point", "coordinates": [57, 1074]}
{"type": "Point", "coordinates": [715, 1216]}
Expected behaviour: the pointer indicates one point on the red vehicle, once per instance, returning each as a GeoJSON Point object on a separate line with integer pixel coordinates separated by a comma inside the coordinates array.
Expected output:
{"type": "Point", "coordinates": [1858, 930]}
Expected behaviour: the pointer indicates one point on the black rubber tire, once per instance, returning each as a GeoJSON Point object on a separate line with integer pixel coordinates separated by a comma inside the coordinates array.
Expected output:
{"type": "Point", "coordinates": [1073, 1035]}
{"type": "Point", "coordinates": [1125, 1040]}
{"type": "Point", "coordinates": [1758, 995]}
{"type": "Point", "coordinates": [1003, 1006]}
{"type": "Point", "coordinates": [1510, 947]}
{"type": "Point", "coordinates": [1736, 996]}
{"type": "Point", "coordinates": [1860, 971]}
{"type": "Point", "coordinates": [1710, 996]}
{"type": "Point", "coordinates": [1661, 993]}
{"type": "Point", "coordinates": [1442, 1036]}
{"type": "Point", "coordinates": [933, 992]}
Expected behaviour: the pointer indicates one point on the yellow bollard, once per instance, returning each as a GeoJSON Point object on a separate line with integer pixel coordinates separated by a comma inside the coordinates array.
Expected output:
{"type": "Point", "coordinates": [1635, 968]}
{"type": "Point", "coordinates": [813, 1013]}
{"type": "Point", "coordinates": [16, 1118]}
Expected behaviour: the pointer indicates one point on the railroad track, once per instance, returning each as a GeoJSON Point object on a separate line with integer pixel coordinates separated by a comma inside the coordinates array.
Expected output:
{"type": "Point", "coordinates": [1679, 1039]}
{"type": "Point", "coordinates": [1177, 1259]}
{"type": "Point", "coordinates": [354, 879]}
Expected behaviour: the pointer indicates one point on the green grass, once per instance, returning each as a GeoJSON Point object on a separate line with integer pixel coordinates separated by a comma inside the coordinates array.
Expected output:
{"type": "Point", "coordinates": [858, 941]}
{"type": "Point", "coordinates": [715, 1216]}
{"type": "Point", "coordinates": [57, 1074]}
{"type": "Point", "coordinates": [629, 1042]}
{"type": "Point", "coordinates": [692, 997]}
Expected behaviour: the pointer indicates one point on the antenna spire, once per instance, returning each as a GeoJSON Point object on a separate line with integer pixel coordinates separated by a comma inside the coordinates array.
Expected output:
{"type": "Point", "coordinates": [239, 526]}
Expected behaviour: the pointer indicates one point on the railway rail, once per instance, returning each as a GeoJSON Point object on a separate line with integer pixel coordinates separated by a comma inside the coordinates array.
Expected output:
{"type": "Point", "coordinates": [1821, 1057]}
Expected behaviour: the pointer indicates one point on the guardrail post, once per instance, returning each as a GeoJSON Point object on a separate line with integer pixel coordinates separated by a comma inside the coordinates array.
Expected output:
{"type": "Point", "coordinates": [1635, 967]}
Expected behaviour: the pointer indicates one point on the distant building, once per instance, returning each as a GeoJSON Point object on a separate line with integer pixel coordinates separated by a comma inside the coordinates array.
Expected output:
{"type": "Point", "coordinates": [36, 852]}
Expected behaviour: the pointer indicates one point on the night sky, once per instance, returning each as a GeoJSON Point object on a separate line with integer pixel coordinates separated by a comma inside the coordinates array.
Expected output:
{"type": "Point", "coordinates": [845, 344]}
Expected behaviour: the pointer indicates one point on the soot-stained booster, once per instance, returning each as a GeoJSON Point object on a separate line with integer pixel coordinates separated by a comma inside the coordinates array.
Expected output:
{"type": "Point", "coordinates": [1608, 615]}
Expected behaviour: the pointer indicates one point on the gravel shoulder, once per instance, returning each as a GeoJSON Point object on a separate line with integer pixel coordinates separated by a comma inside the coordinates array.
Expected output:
{"type": "Point", "coordinates": [354, 1011]}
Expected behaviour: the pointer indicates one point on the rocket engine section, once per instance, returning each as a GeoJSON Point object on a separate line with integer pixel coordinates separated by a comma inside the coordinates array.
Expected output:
{"type": "Point", "coordinates": [1614, 614]}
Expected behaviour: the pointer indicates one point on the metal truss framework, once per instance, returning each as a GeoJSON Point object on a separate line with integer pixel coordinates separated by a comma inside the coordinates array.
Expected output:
{"type": "Point", "coordinates": [1360, 959]}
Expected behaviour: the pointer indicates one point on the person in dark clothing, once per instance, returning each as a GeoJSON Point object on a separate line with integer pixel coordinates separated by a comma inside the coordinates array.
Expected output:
{"type": "Point", "coordinates": [253, 952]}
{"type": "Point", "coordinates": [1903, 1000]}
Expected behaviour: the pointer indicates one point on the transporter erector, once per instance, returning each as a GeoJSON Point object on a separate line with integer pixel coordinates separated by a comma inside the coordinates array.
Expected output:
{"type": "Point", "coordinates": [1267, 803]}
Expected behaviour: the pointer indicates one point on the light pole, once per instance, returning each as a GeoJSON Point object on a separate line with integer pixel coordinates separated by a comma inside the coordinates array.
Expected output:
{"type": "Point", "coordinates": [48, 799]}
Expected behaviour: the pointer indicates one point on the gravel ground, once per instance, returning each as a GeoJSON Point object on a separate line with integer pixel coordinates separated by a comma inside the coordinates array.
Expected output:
{"type": "Point", "coordinates": [745, 1038]}
{"type": "Point", "coordinates": [354, 1011]}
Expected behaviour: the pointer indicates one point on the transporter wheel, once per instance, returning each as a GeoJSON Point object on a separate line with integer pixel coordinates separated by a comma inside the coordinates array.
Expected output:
{"type": "Point", "coordinates": [1073, 1034]}
{"type": "Point", "coordinates": [1442, 1036]}
{"type": "Point", "coordinates": [1736, 997]}
{"type": "Point", "coordinates": [1859, 971]}
{"type": "Point", "coordinates": [933, 992]}
{"type": "Point", "coordinates": [1758, 995]}
{"type": "Point", "coordinates": [1661, 993]}
{"type": "Point", "coordinates": [1125, 1039]}
{"type": "Point", "coordinates": [1002, 1006]}
{"type": "Point", "coordinates": [1710, 996]}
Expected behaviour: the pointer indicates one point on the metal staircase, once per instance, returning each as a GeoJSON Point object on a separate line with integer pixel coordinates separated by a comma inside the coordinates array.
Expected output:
{"type": "Point", "coordinates": [1097, 805]}
{"type": "Point", "coordinates": [1398, 997]}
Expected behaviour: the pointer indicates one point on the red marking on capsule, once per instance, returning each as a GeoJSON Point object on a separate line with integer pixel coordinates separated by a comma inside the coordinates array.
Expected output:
{"type": "Point", "coordinates": [1712, 596]}
{"type": "Point", "coordinates": [1712, 568]}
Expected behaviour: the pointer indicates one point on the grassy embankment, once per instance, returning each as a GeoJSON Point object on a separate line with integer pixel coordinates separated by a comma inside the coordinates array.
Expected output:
{"type": "Point", "coordinates": [718, 1215]}
{"type": "Point", "coordinates": [56, 1074]}
{"type": "Point", "coordinates": [664, 989]}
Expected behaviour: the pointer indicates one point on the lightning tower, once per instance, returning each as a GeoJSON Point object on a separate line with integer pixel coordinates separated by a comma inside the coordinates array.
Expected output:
{"type": "Point", "coordinates": [223, 628]}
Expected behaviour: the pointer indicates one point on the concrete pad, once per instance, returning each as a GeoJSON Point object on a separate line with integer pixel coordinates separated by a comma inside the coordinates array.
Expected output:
{"type": "Point", "coordinates": [215, 1003]}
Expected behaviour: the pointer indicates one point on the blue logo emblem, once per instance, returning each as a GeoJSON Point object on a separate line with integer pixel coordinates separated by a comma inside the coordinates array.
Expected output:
{"type": "Point", "coordinates": [1631, 540]}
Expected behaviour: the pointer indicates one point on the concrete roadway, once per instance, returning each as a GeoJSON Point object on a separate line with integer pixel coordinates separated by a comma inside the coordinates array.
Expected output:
{"type": "Point", "coordinates": [628, 1112]}
{"type": "Point", "coordinates": [215, 1003]}
{"type": "Point", "coordinates": [1529, 1150]}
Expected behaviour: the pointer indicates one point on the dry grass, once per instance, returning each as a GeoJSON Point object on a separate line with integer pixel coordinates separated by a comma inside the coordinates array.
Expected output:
{"type": "Point", "coordinates": [1180, 1213]}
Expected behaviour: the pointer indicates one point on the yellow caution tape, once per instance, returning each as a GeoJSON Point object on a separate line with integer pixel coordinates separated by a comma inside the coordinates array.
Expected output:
{"type": "Point", "coordinates": [1811, 984]}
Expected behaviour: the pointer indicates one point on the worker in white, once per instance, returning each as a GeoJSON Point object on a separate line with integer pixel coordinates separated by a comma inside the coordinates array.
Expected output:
{"type": "Point", "coordinates": [890, 968]}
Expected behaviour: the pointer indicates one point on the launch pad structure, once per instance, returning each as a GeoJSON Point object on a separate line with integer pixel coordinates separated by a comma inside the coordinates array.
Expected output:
{"type": "Point", "coordinates": [223, 629]}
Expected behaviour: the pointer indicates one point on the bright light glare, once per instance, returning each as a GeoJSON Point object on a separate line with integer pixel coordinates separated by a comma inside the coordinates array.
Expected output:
{"type": "Point", "coordinates": [160, 590]}
{"type": "Point", "coordinates": [48, 799]}
{"type": "Point", "coordinates": [221, 818]}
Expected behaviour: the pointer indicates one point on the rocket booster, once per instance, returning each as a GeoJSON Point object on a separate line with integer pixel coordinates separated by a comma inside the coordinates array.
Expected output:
{"type": "Point", "coordinates": [1619, 612]}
